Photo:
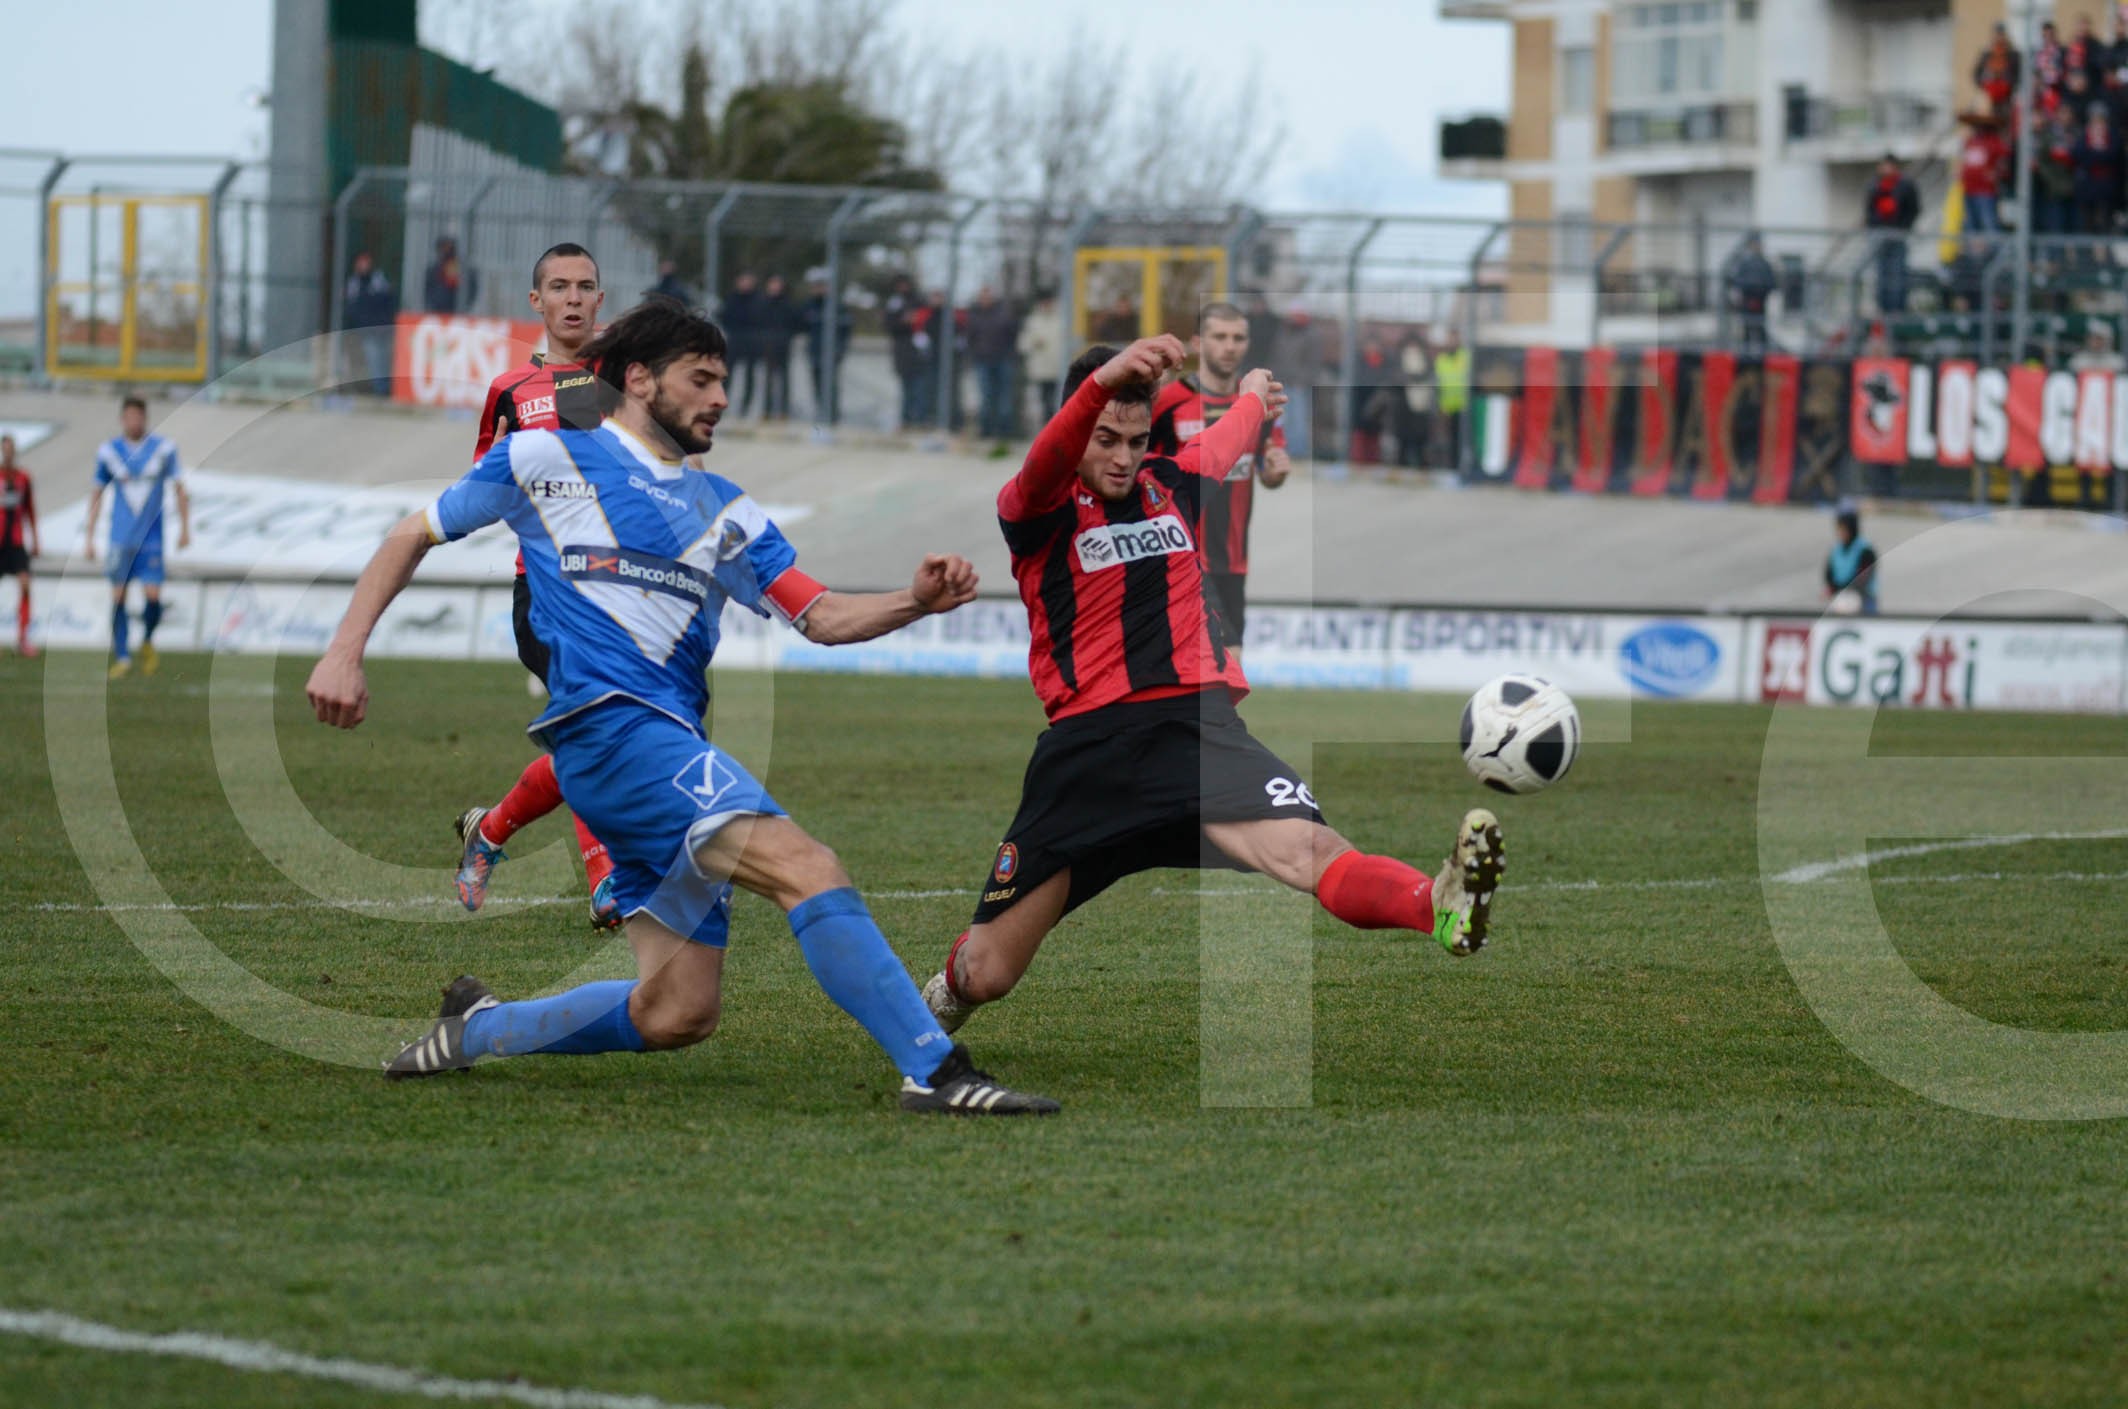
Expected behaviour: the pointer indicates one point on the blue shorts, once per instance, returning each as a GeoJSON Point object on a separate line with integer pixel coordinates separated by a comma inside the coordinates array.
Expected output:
{"type": "Point", "coordinates": [653, 790]}
{"type": "Point", "coordinates": [142, 563]}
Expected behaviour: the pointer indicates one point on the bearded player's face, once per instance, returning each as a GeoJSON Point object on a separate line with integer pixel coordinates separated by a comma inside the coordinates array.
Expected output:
{"type": "Point", "coordinates": [1110, 466]}
{"type": "Point", "coordinates": [1222, 345]}
{"type": "Point", "coordinates": [688, 401]}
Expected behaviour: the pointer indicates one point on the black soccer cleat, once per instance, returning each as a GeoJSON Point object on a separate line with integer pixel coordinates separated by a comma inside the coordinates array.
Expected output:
{"type": "Point", "coordinates": [443, 1048]}
{"type": "Point", "coordinates": [957, 1088]}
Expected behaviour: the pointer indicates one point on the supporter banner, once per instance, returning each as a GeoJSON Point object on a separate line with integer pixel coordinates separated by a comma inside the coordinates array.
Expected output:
{"type": "Point", "coordinates": [1654, 422]}
{"type": "Point", "coordinates": [447, 359]}
{"type": "Point", "coordinates": [1777, 429]}
{"type": "Point", "coordinates": [2067, 668]}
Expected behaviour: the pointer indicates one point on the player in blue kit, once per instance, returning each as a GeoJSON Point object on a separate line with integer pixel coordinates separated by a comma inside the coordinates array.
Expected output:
{"type": "Point", "coordinates": [630, 557]}
{"type": "Point", "coordinates": [138, 467]}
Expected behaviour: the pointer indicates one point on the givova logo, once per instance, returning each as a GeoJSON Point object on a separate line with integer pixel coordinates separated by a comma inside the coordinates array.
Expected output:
{"type": "Point", "coordinates": [1111, 545]}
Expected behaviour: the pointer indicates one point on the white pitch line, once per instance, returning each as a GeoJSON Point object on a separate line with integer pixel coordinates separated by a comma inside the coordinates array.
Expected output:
{"type": "Point", "coordinates": [261, 1358]}
{"type": "Point", "coordinates": [1862, 860]}
{"type": "Point", "coordinates": [1807, 874]}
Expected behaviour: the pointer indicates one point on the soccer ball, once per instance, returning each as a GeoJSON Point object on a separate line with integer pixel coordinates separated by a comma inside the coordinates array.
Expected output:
{"type": "Point", "coordinates": [1520, 734]}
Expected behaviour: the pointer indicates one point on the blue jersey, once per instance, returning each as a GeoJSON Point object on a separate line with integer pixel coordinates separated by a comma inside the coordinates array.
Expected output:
{"type": "Point", "coordinates": [137, 471]}
{"type": "Point", "coordinates": [630, 559]}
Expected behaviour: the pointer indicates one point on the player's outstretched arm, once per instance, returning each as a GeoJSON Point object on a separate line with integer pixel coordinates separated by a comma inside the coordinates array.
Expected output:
{"type": "Point", "coordinates": [1219, 449]}
{"type": "Point", "coordinates": [338, 692]}
{"type": "Point", "coordinates": [943, 581]}
{"type": "Point", "coordinates": [1053, 460]}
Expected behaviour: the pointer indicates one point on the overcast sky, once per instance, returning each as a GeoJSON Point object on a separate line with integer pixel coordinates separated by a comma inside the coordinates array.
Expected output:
{"type": "Point", "coordinates": [1358, 84]}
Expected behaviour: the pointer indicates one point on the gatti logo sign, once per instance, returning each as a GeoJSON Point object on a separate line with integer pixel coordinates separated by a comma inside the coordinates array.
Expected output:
{"type": "Point", "coordinates": [1114, 544]}
{"type": "Point", "coordinates": [1936, 674]}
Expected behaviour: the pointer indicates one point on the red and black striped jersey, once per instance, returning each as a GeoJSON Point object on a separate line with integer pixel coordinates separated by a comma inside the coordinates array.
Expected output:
{"type": "Point", "coordinates": [1115, 590]}
{"type": "Point", "coordinates": [1182, 411]}
{"type": "Point", "coordinates": [18, 506]}
{"type": "Point", "coordinates": [538, 395]}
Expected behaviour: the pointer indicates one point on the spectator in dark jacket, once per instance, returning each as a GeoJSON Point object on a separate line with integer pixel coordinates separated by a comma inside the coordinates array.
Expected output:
{"type": "Point", "coordinates": [2050, 61]}
{"type": "Point", "coordinates": [2098, 174]}
{"type": "Point", "coordinates": [741, 317]}
{"type": "Point", "coordinates": [899, 313]}
{"type": "Point", "coordinates": [1890, 208]}
{"type": "Point", "coordinates": [2054, 174]}
{"type": "Point", "coordinates": [1997, 70]}
{"type": "Point", "coordinates": [669, 284]}
{"type": "Point", "coordinates": [780, 317]}
{"type": "Point", "coordinates": [449, 286]}
{"type": "Point", "coordinates": [369, 306]}
{"type": "Point", "coordinates": [1751, 285]}
{"type": "Point", "coordinates": [993, 346]}
{"type": "Point", "coordinates": [813, 324]}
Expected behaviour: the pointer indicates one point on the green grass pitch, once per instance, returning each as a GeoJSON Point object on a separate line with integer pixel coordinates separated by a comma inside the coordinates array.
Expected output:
{"type": "Point", "coordinates": [1613, 1160]}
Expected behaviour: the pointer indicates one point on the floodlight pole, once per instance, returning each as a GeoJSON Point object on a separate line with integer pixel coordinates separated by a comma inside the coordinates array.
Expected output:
{"type": "Point", "coordinates": [947, 399]}
{"type": "Point", "coordinates": [828, 349]}
{"type": "Point", "coordinates": [213, 271]}
{"type": "Point", "coordinates": [712, 242]}
{"type": "Point", "coordinates": [2021, 291]}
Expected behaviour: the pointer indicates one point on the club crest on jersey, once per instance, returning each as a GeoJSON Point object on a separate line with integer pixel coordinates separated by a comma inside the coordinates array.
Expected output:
{"type": "Point", "coordinates": [1008, 863]}
{"type": "Point", "coordinates": [706, 779]}
{"type": "Point", "coordinates": [1155, 498]}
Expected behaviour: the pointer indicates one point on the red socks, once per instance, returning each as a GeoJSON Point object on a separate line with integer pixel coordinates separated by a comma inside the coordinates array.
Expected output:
{"type": "Point", "coordinates": [535, 795]}
{"type": "Point", "coordinates": [597, 864]}
{"type": "Point", "coordinates": [953, 982]}
{"type": "Point", "coordinates": [1376, 893]}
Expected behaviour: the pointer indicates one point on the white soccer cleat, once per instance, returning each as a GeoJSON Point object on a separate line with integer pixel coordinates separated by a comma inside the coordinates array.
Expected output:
{"type": "Point", "coordinates": [1463, 892]}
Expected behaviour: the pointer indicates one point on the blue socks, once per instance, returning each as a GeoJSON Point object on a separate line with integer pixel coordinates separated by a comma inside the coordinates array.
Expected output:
{"type": "Point", "coordinates": [151, 616]}
{"type": "Point", "coordinates": [593, 1018]}
{"type": "Point", "coordinates": [853, 965]}
{"type": "Point", "coordinates": [118, 631]}
{"type": "Point", "coordinates": [849, 958]}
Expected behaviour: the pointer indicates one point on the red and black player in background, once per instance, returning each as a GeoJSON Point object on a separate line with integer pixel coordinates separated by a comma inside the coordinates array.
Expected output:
{"type": "Point", "coordinates": [550, 391]}
{"type": "Point", "coordinates": [19, 539]}
{"type": "Point", "coordinates": [1146, 762]}
{"type": "Point", "coordinates": [1185, 409]}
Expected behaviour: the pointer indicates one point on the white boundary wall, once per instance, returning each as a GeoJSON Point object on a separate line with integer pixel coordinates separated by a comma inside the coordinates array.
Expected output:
{"type": "Point", "coordinates": [1951, 664]}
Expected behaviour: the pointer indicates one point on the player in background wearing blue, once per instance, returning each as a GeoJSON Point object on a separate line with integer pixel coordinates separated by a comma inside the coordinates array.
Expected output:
{"type": "Point", "coordinates": [141, 466]}
{"type": "Point", "coordinates": [630, 557]}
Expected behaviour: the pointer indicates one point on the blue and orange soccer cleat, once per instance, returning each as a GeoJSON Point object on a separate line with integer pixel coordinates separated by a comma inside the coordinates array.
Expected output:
{"type": "Point", "coordinates": [605, 910]}
{"type": "Point", "coordinates": [476, 858]}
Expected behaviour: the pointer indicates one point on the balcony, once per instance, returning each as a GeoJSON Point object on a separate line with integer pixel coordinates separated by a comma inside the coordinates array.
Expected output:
{"type": "Point", "coordinates": [1474, 148]}
{"type": "Point", "coordinates": [1862, 128]}
{"type": "Point", "coordinates": [1699, 137]}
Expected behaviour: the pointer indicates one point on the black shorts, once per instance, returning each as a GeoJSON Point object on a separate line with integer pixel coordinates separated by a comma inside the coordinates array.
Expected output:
{"type": "Point", "coordinates": [14, 558]}
{"type": "Point", "coordinates": [530, 649]}
{"type": "Point", "coordinates": [1226, 594]}
{"type": "Point", "coordinates": [1129, 788]}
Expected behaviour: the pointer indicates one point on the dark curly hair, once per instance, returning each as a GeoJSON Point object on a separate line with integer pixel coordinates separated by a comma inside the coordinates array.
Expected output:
{"type": "Point", "coordinates": [1089, 362]}
{"type": "Point", "coordinates": [657, 332]}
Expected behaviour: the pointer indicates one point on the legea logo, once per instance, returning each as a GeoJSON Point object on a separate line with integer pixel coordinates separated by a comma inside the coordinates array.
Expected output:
{"type": "Point", "coordinates": [1670, 659]}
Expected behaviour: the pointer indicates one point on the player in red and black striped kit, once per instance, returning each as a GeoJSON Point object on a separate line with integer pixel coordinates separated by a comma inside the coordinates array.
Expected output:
{"type": "Point", "coordinates": [1146, 763]}
{"type": "Point", "coordinates": [549, 391]}
{"type": "Point", "coordinates": [19, 539]}
{"type": "Point", "coordinates": [1187, 408]}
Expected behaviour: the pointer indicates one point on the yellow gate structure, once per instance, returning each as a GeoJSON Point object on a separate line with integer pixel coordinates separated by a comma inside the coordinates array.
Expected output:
{"type": "Point", "coordinates": [126, 287]}
{"type": "Point", "coordinates": [1122, 292]}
